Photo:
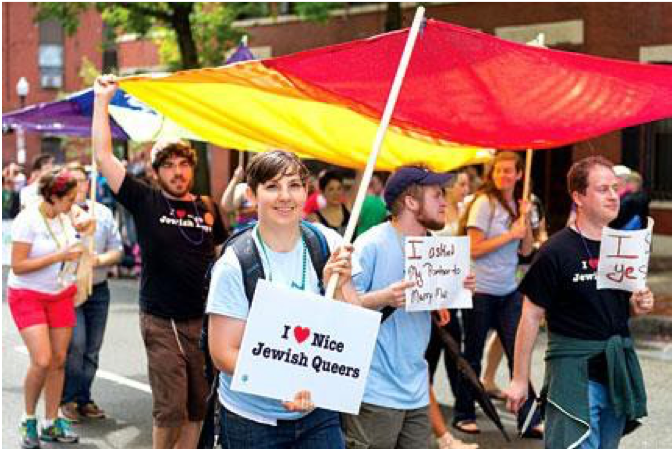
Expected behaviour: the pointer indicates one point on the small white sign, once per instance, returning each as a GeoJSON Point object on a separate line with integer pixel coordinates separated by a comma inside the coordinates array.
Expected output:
{"type": "Point", "coordinates": [438, 267]}
{"type": "Point", "coordinates": [297, 341]}
{"type": "Point", "coordinates": [7, 242]}
{"type": "Point", "coordinates": [624, 258]}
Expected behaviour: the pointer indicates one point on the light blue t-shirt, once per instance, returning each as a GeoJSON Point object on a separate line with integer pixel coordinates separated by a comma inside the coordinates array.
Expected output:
{"type": "Point", "coordinates": [399, 375]}
{"type": "Point", "coordinates": [496, 271]}
{"type": "Point", "coordinates": [227, 297]}
{"type": "Point", "coordinates": [106, 237]}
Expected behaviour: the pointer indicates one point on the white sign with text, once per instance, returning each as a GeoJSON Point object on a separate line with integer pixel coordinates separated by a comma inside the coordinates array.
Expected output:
{"type": "Point", "coordinates": [438, 267]}
{"type": "Point", "coordinates": [295, 340]}
{"type": "Point", "coordinates": [624, 258]}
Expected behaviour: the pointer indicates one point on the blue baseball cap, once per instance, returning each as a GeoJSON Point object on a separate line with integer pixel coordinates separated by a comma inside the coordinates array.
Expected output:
{"type": "Point", "coordinates": [407, 176]}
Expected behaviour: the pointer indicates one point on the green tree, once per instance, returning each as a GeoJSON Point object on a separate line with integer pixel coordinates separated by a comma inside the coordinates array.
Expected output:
{"type": "Point", "coordinates": [190, 35]}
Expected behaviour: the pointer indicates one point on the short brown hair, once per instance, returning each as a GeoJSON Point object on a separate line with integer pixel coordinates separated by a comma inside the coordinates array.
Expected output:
{"type": "Point", "coordinates": [577, 177]}
{"type": "Point", "coordinates": [165, 149]}
{"type": "Point", "coordinates": [266, 166]}
{"type": "Point", "coordinates": [57, 182]}
{"type": "Point", "coordinates": [414, 190]}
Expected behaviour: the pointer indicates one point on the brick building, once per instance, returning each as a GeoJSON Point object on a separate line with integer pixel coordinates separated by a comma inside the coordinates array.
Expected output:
{"type": "Point", "coordinates": [51, 63]}
{"type": "Point", "coordinates": [628, 31]}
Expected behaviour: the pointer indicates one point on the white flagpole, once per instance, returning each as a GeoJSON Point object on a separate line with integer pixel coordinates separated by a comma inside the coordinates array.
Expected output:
{"type": "Point", "coordinates": [528, 174]}
{"type": "Point", "coordinates": [539, 41]}
{"type": "Point", "coordinates": [94, 181]}
{"type": "Point", "coordinates": [380, 136]}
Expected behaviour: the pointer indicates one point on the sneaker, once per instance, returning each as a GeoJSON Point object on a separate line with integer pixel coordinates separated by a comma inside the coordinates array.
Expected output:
{"type": "Point", "coordinates": [70, 412]}
{"type": "Point", "coordinates": [29, 438]}
{"type": "Point", "coordinates": [59, 432]}
{"type": "Point", "coordinates": [91, 411]}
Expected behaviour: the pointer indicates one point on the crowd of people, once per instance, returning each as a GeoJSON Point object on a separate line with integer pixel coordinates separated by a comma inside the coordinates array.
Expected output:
{"type": "Point", "coordinates": [593, 391]}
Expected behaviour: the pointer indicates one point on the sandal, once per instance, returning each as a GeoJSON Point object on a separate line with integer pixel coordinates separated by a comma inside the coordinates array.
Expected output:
{"type": "Point", "coordinates": [496, 394]}
{"type": "Point", "coordinates": [534, 433]}
{"type": "Point", "coordinates": [447, 441]}
{"type": "Point", "coordinates": [467, 426]}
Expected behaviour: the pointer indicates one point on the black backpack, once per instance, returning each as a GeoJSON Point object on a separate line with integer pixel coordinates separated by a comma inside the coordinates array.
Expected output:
{"type": "Point", "coordinates": [242, 242]}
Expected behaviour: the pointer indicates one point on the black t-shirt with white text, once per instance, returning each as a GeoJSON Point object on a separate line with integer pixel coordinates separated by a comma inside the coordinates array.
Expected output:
{"type": "Point", "coordinates": [562, 280]}
{"type": "Point", "coordinates": [177, 241]}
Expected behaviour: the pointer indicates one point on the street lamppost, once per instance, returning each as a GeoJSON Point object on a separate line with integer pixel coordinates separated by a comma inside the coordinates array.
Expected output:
{"type": "Point", "coordinates": [22, 89]}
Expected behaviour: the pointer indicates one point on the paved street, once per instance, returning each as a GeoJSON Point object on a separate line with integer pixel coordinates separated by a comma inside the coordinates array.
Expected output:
{"type": "Point", "coordinates": [122, 390]}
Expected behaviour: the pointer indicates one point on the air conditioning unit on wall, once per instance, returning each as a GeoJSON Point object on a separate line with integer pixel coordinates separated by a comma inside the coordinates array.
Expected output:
{"type": "Point", "coordinates": [51, 81]}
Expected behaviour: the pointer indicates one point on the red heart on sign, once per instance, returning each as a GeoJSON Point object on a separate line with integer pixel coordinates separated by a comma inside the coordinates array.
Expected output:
{"type": "Point", "coordinates": [593, 263]}
{"type": "Point", "coordinates": [180, 213]}
{"type": "Point", "coordinates": [301, 333]}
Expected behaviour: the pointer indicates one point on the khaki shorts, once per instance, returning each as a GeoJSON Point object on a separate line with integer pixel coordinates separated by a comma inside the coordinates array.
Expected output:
{"type": "Point", "coordinates": [175, 365]}
{"type": "Point", "coordinates": [379, 427]}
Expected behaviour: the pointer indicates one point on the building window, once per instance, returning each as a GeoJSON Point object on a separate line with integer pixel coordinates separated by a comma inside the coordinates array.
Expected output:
{"type": "Point", "coordinates": [648, 149]}
{"type": "Point", "coordinates": [658, 152]}
{"type": "Point", "coordinates": [110, 60]}
{"type": "Point", "coordinates": [52, 146]}
{"type": "Point", "coordinates": [50, 54]}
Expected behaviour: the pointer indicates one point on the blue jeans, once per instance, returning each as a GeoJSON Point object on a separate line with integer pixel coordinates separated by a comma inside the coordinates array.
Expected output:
{"type": "Point", "coordinates": [87, 338]}
{"type": "Point", "coordinates": [501, 313]}
{"type": "Point", "coordinates": [606, 428]}
{"type": "Point", "coordinates": [320, 429]}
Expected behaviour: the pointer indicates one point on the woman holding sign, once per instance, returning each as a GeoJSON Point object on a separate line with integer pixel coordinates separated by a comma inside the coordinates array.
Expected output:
{"type": "Point", "coordinates": [498, 227]}
{"type": "Point", "coordinates": [277, 184]}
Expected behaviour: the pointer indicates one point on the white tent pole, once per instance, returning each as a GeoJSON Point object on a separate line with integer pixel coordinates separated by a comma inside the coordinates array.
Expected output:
{"type": "Point", "coordinates": [92, 194]}
{"type": "Point", "coordinates": [380, 136]}
{"type": "Point", "coordinates": [539, 41]}
{"type": "Point", "coordinates": [528, 173]}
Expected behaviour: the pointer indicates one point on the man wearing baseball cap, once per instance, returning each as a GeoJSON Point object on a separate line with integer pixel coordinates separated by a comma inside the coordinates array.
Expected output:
{"type": "Point", "coordinates": [177, 232]}
{"type": "Point", "coordinates": [394, 412]}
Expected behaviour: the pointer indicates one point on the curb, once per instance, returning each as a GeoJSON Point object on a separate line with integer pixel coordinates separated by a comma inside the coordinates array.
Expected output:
{"type": "Point", "coordinates": [651, 327]}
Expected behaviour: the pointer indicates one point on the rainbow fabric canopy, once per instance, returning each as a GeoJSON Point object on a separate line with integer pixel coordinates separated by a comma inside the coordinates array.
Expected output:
{"type": "Point", "coordinates": [461, 86]}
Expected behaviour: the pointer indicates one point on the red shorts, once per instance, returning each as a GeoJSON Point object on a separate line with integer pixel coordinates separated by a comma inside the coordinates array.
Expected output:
{"type": "Point", "coordinates": [30, 307]}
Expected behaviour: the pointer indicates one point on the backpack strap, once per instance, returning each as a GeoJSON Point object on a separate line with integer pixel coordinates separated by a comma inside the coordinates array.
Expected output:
{"type": "Point", "coordinates": [209, 204]}
{"type": "Point", "coordinates": [386, 312]}
{"type": "Point", "coordinates": [318, 248]}
{"type": "Point", "coordinates": [242, 243]}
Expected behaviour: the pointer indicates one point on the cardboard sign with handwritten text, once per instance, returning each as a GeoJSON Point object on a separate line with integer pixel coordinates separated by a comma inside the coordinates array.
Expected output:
{"type": "Point", "coordinates": [624, 258]}
{"type": "Point", "coordinates": [295, 340]}
{"type": "Point", "coordinates": [438, 266]}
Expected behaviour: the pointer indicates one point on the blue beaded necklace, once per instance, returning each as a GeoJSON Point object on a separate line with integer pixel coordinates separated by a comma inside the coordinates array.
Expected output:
{"type": "Point", "coordinates": [304, 258]}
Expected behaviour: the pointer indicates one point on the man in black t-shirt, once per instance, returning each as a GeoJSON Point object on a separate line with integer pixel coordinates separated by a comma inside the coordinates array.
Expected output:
{"type": "Point", "coordinates": [178, 233]}
{"type": "Point", "coordinates": [590, 354]}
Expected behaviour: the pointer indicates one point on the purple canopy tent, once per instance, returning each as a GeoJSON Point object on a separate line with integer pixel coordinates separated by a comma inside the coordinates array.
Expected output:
{"type": "Point", "coordinates": [72, 116]}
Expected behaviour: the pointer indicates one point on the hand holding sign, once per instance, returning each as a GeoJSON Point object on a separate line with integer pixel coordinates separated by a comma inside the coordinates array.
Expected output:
{"type": "Point", "coordinates": [642, 301]}
{"type": "Point", "coordinates": [439, 267]}
{"type": "Point", "coordinates": [293, 343]}
{"type": "Point", "coordinates": [396, 293]}
{"type": "Point", "coordinates": [624, 258]}
{"type": "Point", "coordinates": [301, 402]}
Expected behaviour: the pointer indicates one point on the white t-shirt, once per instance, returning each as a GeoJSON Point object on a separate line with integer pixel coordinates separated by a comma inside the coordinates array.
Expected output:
{"type": "Point", "coordinates": [227, 297]}
{"type": "Point", "coordinates": [29, 195]}
{"type": "Point", "coordinates": [30, 227]}
{"type": "Point", "coordinates": [495, 271]}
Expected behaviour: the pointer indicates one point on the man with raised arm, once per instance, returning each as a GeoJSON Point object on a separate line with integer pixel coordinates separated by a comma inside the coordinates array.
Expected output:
{"type": "Point", "coordinates": [178, 233]}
